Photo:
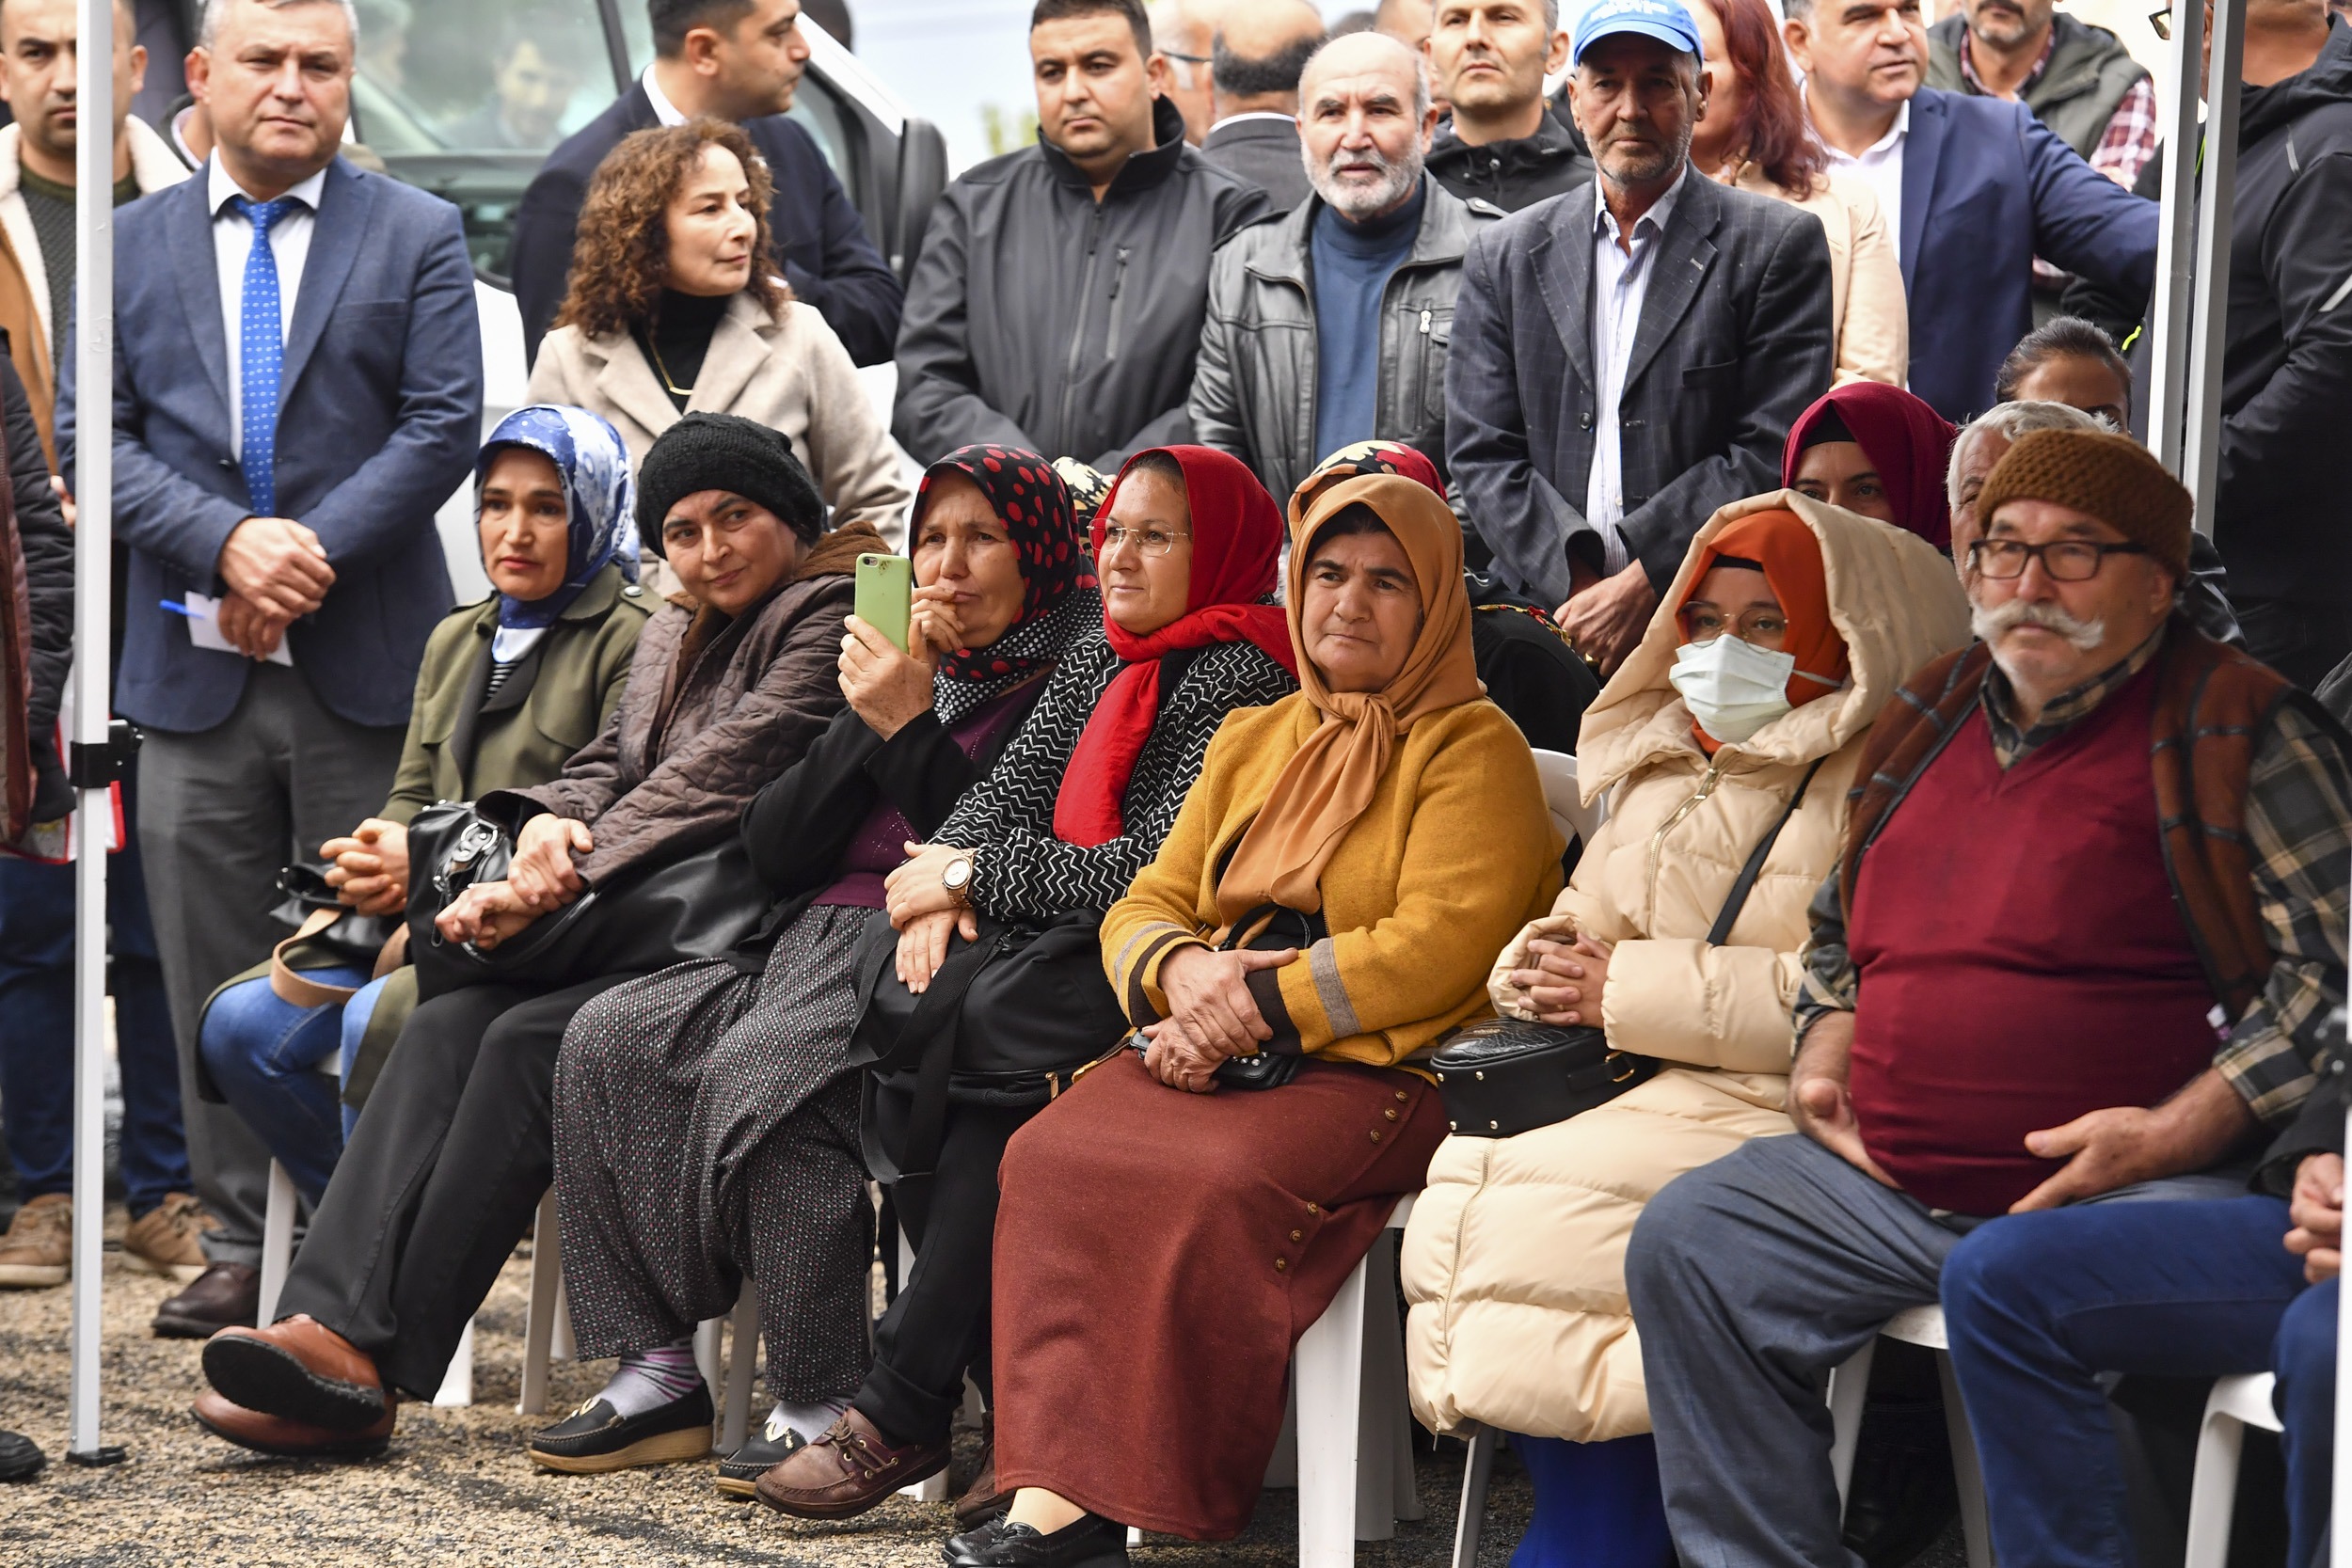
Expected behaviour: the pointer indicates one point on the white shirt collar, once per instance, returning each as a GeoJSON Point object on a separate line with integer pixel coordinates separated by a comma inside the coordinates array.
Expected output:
{"type": "Point", "coordinates": [219, 187]}
{"type": "Point", "coordinates": [1660, 210]}
{"type": "Point", "coordinates": [1895, 132]}
{"type": "Point", "coordinates": [1248, 115]}
{"type": "Point", "coordinates": [663, 110]}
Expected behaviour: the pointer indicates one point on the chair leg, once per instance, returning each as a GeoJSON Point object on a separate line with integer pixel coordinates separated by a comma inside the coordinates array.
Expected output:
{"type": "Point", "coordinates": [1385, 1492]}
{"type": "Point", "coordinates": [456, 1390]}
{"type": "Point", "coordinates": [1329, 1371]}
{"type": "Point", "coordinates": [742, 1360]}
{"type": "Point", "coordinates": [546, 1275]}
{"type": "Point", "coordinates": [1478, 1468]}
{"type": "Point", "coordinates": [706, 1359]}
{"type": "Point", "coordinates": [1848, 1388]}
{"type": "Point", "coordinates": [276, 1241]}
{"type": "Point", "coordinates": [1976, 1525]}
{"type": "Point", "coordinates": [2212, 1495]}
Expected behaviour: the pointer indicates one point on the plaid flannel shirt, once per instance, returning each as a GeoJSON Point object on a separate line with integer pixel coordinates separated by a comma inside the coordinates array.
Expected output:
{"type": "Point", "coordinates": [2298, 818]}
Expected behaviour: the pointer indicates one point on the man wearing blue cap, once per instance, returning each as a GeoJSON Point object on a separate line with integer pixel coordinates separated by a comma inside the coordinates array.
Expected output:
{"type": "Point", "coordinates": [1628, 356]}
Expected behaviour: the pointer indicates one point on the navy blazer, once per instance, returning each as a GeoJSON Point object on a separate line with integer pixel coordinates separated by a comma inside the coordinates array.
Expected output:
{"type": "Point", "coordinates": [1734, 340]}
{"type": "Point", "coordinates": [1986, 188]}
{"type": "Point", "coordinates": [820, 240]}
{"type": "Point", "coordinates": [379, 417]}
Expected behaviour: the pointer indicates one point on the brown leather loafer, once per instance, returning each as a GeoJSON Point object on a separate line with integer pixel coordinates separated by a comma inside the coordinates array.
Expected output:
{"type": "Point", "coordinates": [263, 1433]}
{"type": "Point", "coordinates": [226, 1295]}
{"type": "Point", "coordinates": [298, 1369]}
{"type": "Point", "coordinates": [981, 1502]}
{"type": "Point", "coordinates": [847, 1471]}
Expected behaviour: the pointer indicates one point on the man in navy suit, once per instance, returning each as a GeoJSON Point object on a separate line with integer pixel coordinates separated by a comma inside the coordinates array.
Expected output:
{"type": "Point", "coordinates": [297, 388]}
{"type": "Point", "coordinates": [1974, 188]}
{"type": "Point", "coordinates": [737, 61]}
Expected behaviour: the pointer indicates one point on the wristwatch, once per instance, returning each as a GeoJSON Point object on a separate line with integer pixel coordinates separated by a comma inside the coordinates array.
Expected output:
{"type": "Point", "coordinates": [955, 877]}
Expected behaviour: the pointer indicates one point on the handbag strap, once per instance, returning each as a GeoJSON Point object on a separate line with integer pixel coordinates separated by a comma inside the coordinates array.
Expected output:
{"type": "Point", "coordinates": [941, 1007]}
{"type": "Point", "coordinates": [291, 985]}
{"type": "Point", "coordinates": [1745, 882]}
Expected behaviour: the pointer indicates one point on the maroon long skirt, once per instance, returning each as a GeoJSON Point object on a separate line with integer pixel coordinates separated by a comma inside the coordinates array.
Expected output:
{"type": "Point", "coordinates": [1158, 1254]}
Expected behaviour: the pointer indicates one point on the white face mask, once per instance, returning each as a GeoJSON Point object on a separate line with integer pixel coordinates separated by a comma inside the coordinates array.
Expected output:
{"type": "Point", "coordinates": [1734, 689]}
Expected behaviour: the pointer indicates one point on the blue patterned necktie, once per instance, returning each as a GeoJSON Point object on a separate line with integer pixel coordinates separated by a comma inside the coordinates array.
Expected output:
{"type": "Point", "coordinates": [262, 355]}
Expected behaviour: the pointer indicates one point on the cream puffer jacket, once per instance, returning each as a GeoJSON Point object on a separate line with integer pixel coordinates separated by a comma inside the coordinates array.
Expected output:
{"type": "Point", "coordinates": [1513, 1263]}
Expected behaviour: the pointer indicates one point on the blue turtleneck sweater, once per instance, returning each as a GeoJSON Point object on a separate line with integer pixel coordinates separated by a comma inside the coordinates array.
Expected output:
{"type": "Point", "coordinates": [1352, 263]}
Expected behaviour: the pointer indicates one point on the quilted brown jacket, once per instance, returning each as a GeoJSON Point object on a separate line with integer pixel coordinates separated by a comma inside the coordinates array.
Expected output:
{"type": "Point", "coordinates": [714, 708]}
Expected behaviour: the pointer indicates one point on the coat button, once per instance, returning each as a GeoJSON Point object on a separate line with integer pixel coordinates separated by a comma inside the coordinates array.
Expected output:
{"type": "Point", "coordinates": [632, 592]}
{"type": "Point", "coordinates": [1390, 1115]}
{"type": "Point", "coordinates": [1299, 1235]}
{"type": "Point", "coordinates": [1585, 420]}
{"type": "Point", "coordinates": [1313, 1209]}
{"type": "Point", "coordinates": [1375, 1134]}
{"type": "Point", "coordinates": [1280, 1265]}
{"type": "Point", "coordinates": [1400, 1097]}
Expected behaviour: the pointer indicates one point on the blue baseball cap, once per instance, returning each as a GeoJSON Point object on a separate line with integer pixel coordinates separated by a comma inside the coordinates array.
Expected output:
{"type": "Point", "coordinates": [1663, 19]}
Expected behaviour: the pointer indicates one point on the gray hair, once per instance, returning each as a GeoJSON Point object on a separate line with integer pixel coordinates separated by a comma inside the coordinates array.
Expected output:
{"type": "Point", "coordinates": [2013, 420]}
{"type": "Point", "coordinates": [1421, 72]}
{"type": "Point", "coordinates": [208, 29]}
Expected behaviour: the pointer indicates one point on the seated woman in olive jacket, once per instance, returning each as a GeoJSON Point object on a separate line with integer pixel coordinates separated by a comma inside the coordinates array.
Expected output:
{"type": "Point", "coordinates": [510, 688]}
{"type": "Point", "coordinates": [730, 686]}
{"type": "Point", "coordinates": [736, 1072]}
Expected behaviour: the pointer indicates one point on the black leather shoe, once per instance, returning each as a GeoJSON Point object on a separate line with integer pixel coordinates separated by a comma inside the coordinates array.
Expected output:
{"type": "Point", "coordinates": [770, 1446]}
{"type": "Point", "coordinates": [21, 1458]}
{"type": "Point", "coordinates": [1094, 1541]}
{"type": "Point", "coordinates": [226, 1295]}
{"type": "Point", "coordinates": [596, 1438]}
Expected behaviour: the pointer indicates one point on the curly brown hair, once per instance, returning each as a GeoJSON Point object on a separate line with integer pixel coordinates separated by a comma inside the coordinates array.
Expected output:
{"type": "Point", "coordinates": [623, 251]}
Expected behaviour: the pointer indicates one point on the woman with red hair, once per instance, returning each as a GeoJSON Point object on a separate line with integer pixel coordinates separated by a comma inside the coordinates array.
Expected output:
{"type": "Point", "coordinates": [1754, 137]}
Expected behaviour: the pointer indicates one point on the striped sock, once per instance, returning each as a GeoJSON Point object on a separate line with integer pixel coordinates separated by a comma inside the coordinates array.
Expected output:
{"type": "Point", "coordinates": [649, 1378]}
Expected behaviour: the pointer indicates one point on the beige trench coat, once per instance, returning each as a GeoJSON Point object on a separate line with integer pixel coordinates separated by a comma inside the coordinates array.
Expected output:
{"type": "Point", "coordinates": [1514, 1261]}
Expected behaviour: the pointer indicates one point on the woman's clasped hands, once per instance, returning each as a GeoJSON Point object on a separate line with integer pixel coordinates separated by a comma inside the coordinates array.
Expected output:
{"type": "Point", "coordinates": [1211, 1014]}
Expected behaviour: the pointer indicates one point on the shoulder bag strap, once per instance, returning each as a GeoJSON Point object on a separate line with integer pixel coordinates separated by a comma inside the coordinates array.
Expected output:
{"type": "Point", "coordinates": [939, 1011]}
{"type": "Point", "coordinates": [1746, 884]}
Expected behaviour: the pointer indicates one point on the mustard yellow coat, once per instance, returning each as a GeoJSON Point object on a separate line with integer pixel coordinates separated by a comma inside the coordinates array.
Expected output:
{"type": "Point", "coordinates": [1514, 1260]}
{"type": "Point", "coordinates": [1456, 851]}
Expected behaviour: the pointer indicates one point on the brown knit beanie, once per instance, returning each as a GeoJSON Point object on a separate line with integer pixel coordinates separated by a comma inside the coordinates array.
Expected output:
{"type": "Point", "coordinates": [2112, 478]}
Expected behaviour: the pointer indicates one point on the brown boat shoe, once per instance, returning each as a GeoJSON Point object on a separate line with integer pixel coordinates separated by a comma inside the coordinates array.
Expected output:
{"type": "Point", "coordinates": [275, 1434]}
{"type": "Point", "coordinates": [847, 1471]}
{"type": "Point", "coordinates": [300, 1369]}
{"type": "Point", "coordinates": [38, 1250]}
{"type": "Point", "coordinates": [165, 1240]}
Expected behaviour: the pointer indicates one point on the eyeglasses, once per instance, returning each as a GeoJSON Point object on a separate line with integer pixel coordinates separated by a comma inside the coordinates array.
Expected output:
{"type": "Point", "coordinates": [1188, 60]}
{"type": "Point", "coordinates": [2065, 559]}
{"type": "Point", "coordinates": [1148, 541]}
{"type": "Point", "coordinates": [1703, 623]}
{"type": "Point", "coordinates": [2162, 22]}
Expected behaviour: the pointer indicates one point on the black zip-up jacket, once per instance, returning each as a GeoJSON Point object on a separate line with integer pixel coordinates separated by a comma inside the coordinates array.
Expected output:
{"type": "Point", "coordinates": [47, 547]}
{"type": "Point", "coordinates": [1040, 318]}
{"type": "Point", "coordinates": [1513, 174]}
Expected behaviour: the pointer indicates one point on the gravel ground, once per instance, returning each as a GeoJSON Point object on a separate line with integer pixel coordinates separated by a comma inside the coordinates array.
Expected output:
{"type": "Point", "coordinates": [455, 1488]}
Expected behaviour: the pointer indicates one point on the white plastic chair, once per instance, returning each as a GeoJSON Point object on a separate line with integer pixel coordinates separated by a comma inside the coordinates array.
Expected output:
{"type": "Point", "coordinates": [1576, 821]}
{"type": "Point", "coordinates": [2234, 1404]}
{"type": "Point", "coordinates": [1849, 1385]}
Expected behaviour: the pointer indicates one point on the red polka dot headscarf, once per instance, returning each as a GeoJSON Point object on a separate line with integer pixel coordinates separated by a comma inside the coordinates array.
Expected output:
{"type": "Point", "coordinates": [1059, 600]}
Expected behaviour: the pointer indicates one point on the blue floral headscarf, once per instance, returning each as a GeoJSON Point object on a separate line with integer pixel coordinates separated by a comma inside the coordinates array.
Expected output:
{"type": "Point", "coordinates": [600, 495]}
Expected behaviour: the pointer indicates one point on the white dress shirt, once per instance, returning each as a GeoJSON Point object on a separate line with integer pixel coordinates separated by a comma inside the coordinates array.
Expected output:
{"type": "Point", "coordinates": [1620, 282]}
{"type": "Point", "coordinates": [663, 110]}
{"type": "Point", "coordinates": [233, 244]}
{"type": "Point", "coordinates": [1881, 165]}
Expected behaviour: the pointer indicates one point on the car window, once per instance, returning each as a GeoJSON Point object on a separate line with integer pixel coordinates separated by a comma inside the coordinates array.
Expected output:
{"type": "Point", "coordinates": [480, 75]}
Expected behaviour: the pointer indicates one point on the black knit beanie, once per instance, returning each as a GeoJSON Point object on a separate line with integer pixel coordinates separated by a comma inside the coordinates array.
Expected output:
{"type": "Point", "coordinates": [725, 452]}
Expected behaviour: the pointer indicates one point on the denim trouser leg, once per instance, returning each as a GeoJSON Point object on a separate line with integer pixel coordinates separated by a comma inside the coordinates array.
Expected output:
{"type": "Point", "coordinates": [2305, 1360]}
{"type": "Point", "coordinates": [356, 1012]}
{"type": "Point", "coordinates": [2038, 1306]}
{"type": "Point", "coordinates": [264, 1052]}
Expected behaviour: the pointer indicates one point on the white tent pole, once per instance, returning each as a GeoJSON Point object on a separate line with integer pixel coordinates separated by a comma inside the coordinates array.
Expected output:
{"type": "Point", "coordinates": [2176, 253]}
{"type": "Point", "coordinates": [2201, 463]}
{"type": "Point", "coordinates": [93, 366]}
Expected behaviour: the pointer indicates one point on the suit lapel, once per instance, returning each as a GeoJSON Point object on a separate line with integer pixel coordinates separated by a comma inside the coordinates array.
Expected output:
{"type": "Point", "coordinates": [1923, 148]}
{"type": "Point", "coordinates": [1562, 262]}
{"type": "Point", "coordinates": [737, 351]}
{"type": "Point", "coordinates": [627, 382]}
{"type": "Point", "coordinates": [200, 287]}
{"type": "Point", "coordinates": [1686, 251]}
{"type": "Point", "coordinates": [335, 235]}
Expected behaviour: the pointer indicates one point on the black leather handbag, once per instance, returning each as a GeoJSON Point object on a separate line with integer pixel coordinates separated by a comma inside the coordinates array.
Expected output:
{"type": "Point", "coordinates": [1508, 1076]}
{"type": "Point", "coordinates": [1270, 928]}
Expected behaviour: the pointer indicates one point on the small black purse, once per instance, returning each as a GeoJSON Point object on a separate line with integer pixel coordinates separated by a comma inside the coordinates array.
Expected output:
{"type": "Point", "coordinates": [1508, 1076]}
{"type": "Point", "coordinates": [1282, 927]}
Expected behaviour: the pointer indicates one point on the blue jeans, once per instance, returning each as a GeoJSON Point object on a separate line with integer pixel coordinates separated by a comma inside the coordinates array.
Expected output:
{"type": "Point", "coordinates": [37, 1029]}
{"type": "Point", "coordinates": [2038, 1306]}
{"type": "Point", "coordinates": [264, 1052]}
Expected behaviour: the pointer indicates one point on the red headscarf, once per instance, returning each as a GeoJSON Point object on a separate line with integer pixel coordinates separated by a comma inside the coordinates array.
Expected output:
{"type": "Point", "coordinates": [1784, 546]}
{"type": "Point", "coordinates": [1236, 539]}
{"type": "Point", "coordinates": [1907, 441]}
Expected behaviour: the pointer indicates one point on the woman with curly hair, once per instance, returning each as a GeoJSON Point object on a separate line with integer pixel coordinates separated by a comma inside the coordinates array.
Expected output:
{"type": "Point", "coordinates": [1754, 137]}
{"type": "Point", "coordinates": [667, 313]}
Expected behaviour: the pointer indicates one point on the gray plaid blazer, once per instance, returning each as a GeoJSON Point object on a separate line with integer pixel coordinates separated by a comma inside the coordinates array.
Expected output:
{"type": "Point", "coordinates": [1733, 342]}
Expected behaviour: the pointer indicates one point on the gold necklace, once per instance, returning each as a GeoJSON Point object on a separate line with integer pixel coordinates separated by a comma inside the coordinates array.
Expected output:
{"type": "Point", "coordinates": [663, 371]}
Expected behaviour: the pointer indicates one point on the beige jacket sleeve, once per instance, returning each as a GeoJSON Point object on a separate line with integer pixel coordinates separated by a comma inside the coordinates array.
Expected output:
{"type": "Point", "coordinates": [1685, 1001]}
{"type": "Point", "coordinates": [1575, 911]}
{"type": "Point", "coordinates": [854, 463]}
{"type": "Point", "coordinates": [1874, 341]}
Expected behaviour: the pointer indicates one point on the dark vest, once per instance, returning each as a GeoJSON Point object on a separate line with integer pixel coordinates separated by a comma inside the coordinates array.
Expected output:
{"type": "Point", "coordinates": [2076, 95]}
{"type": "Point", "coordinates": [2020, 959]}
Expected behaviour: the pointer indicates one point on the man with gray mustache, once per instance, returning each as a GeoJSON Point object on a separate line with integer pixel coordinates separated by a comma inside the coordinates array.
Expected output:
{"type": "Point", "coordinates": [2081, 945]}
{"type": "Point", "coordinates": [1329, 328]}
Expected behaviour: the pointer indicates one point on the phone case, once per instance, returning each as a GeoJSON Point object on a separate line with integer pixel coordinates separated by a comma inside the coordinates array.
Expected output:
{"type": "Point", "coordinates": [885, 596]}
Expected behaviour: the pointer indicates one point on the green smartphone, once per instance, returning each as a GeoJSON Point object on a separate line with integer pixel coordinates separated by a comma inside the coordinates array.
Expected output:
{"type": "Point", "coordinates": [885, 596]}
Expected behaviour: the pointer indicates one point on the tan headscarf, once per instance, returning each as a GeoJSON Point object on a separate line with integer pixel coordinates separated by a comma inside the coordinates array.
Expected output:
{"type": "Point", "coordinates": [1329, 782]}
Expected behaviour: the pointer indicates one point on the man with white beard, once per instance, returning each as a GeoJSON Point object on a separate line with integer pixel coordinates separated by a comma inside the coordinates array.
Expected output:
{"type": "Point", "coordinates": [1329, 328]}
{"type": "Point", "coordinates": [2081, 945]}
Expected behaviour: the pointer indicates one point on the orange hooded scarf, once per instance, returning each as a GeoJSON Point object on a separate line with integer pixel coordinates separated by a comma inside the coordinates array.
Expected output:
{"type": "Point", "coordinates": [1780, 543]}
